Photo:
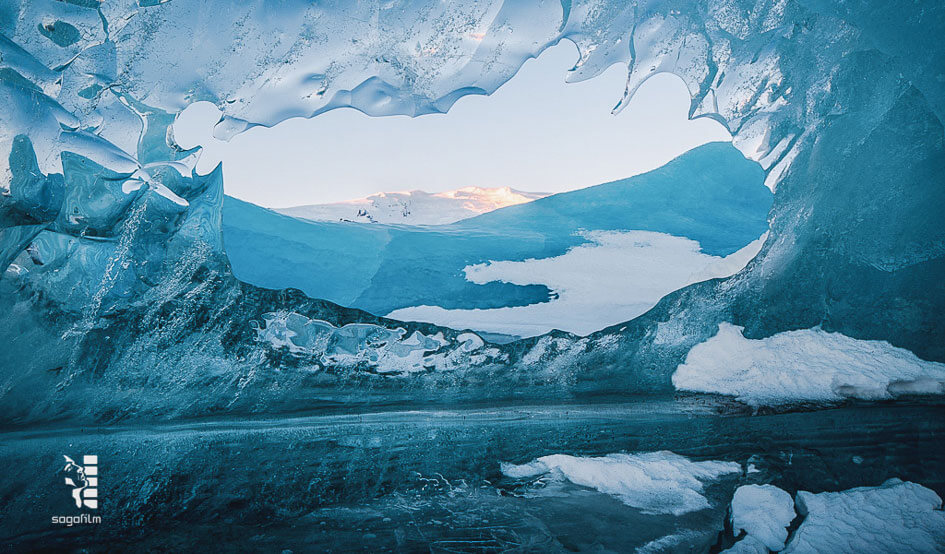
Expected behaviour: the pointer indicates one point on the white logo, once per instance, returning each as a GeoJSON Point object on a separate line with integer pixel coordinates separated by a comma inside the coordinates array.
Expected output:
{"type": "Point", "coordinates": [84, 481]}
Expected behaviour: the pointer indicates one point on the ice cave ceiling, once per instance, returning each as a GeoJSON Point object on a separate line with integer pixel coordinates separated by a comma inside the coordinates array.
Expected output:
{"type": "Point", "coordinates": [102, 216]}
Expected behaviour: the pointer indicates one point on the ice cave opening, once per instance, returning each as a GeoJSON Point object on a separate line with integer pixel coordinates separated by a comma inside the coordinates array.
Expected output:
{"type": "Point", "coordinates": [785, 395]}
{"type": "Point", "coordinates": [113, 244]}
{"type": "Point", "coordinates": [458, 226]}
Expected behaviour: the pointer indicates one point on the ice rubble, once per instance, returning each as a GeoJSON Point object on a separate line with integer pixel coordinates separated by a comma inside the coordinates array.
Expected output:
{"type": "Point", "coordinates": [763, 512]}
{"type": "Point", "coordinates": [808, 365]}
{"type": "Point", "coordinates": [654, 482]}
{"type": "Point", "coordinates": [372, 346]}
{"type": "Point", "coordinates": [894, 517]}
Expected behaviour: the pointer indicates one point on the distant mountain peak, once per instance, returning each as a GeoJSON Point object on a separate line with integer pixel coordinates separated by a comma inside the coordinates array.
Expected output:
{"type": "Point", "coordinates": [416, 207]}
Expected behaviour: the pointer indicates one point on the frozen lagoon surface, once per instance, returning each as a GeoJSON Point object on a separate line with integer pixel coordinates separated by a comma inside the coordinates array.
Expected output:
{"type": "Point", "coordinates": [432, 480]}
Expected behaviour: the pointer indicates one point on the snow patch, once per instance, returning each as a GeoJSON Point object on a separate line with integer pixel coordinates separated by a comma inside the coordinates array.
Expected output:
{"type": "Point", "coordinates": [894, 517]}
{"type": "Point", "coordinates": [763, 512]}
{"type": "Point", "coordinates": [655, 482]}
{"type": "Point", "coordinates": [615, 277]}
{"type": "Point", "coordinates": [806, 365]}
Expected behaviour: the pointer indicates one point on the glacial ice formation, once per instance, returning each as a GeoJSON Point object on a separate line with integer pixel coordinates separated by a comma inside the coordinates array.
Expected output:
{"type": "Point", "coordinates": [371, 346]}
{"type": "Point", "coordinates": [809, 365]}
{"type": "Point", "coordinates": [110, 242]}
{"type": "Point", "coordinates": [896, 516]}
{"type": "Point", "coordinates": [654, 482]}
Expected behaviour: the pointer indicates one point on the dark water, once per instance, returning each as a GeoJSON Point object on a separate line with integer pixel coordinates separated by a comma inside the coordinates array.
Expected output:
{"type": "Point", "coordinates": [430, 481]}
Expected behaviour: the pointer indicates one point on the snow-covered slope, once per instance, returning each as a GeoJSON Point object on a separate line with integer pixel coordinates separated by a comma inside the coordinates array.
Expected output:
{"type": "Point", "coordinates": [416, 207]}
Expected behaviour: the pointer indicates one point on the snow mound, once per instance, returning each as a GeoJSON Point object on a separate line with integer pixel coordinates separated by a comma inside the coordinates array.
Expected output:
{"type": "Point", "coordinates": [805, 365]}
{"type": "Point", "coordinates": [763, 512]}
{"type": "Point", "coordinates": [655, 482]}
{"type": "Point", "coordinates": [895, 517]}
{"type": "Point", "coordinates": [416, 207]}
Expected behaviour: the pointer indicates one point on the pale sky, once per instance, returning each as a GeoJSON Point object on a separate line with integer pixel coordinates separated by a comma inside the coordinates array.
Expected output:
{"type": "Point", "coordinates": [536, 133]}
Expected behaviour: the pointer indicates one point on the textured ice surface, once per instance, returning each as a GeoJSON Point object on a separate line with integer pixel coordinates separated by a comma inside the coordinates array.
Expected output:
{"type": "Point", "coordinates": [763, 512]}
{"type": "Point", "coordinates": [371, 346]}
{"type": "Point", "coordinates": [614, 277]}
{"type": "Point", "coordinates": [894, 517]}
{"type": "Point", "coordinates": [416, 207]}
{"type": "Point", "coordinates": [654, 482]}
{"type": "Point", "coordinates": [807, 365]}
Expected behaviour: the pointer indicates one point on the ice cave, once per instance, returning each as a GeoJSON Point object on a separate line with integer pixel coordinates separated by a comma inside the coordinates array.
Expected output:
{"type": "Point", "coordinates": [768, 375]}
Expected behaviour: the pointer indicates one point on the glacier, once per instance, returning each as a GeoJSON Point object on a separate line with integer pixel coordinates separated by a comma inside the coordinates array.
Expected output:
{"type": "Point", "coordinates": [127, 329]}
{"type": "Point", "coordinates": [714, 213]}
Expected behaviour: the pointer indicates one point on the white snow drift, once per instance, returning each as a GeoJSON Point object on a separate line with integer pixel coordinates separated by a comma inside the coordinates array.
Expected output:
{"type": "Point", "coordinates": [613, 278]}
{"type": "Point", "coordinates": [655, 482]}
{"type": "Point", "coordinates": [808, 365]}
